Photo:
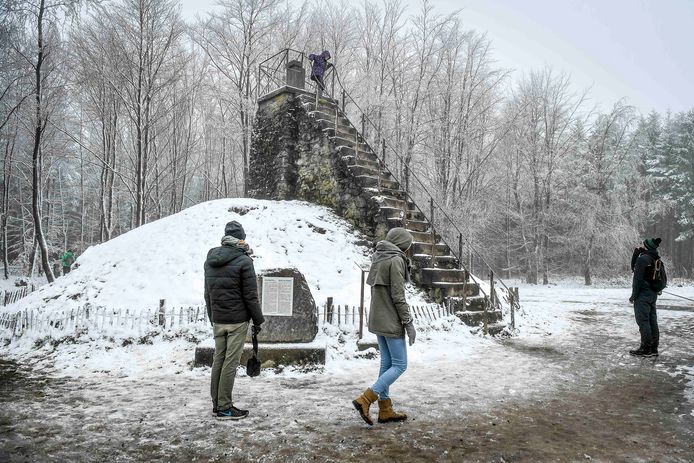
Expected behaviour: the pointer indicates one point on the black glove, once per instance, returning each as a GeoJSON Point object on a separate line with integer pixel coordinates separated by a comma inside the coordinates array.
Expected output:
{"type": "Point", "coordinates": [411, 333]}
{"type": "Point", "coordinates": [255, 329]}
{"type": "Point", "coordinates": [631, 299]}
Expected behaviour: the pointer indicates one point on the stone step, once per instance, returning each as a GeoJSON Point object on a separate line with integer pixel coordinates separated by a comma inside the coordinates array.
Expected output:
{"type": "Point", "coordinates": [369, 181]}
{"type": "Point", "coordinates": [280, 354]}
{"type": "Point", "coordinates": [416, 225]}
{"type": "Point", "coordinates": [472, 304]}
{"type": "Point", "coordinates": [440, 249]}
{"type": "Point", "coordinates": [393, 213]}
{"type": "Point", "coordinates": [351, 160]}
{"type": "Point", "coordinates": [309, 103]}
{"type": "Point", "coordinates": [385, 192]}
{"type": "Point", "coordinates": [424, 260]}
{"type": "Point", "coordinates": [424, 236]}
{"type": "Point", "coordinates": [360, 155]}
{"type": "Point", "coordinates": [410, 225]}
{"type": "Point", "coordinates": [322, 114]}
{"type": "Point", "coordinates": [350, 142]}
{"type": "Point", "coordinates": [397, 203]}
{"type": "Point", "coordinates": [342, 130]}
{"type": "Point", "coordinates": [429, 275]}
{"type": "Point", "coordinates": [440, 290]}
{"type": "Point", "coordinates": [358, 169]}
{"type": "Point", "coordinates": [476, 318]}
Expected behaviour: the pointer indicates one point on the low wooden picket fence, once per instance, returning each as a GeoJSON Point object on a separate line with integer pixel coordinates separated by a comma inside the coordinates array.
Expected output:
{"type": "Point", "coordinates": [10, 297]}
{"type": "Point", "coordinates": [100, 319]}
{"type": "Point", "coordinates": [345, 315]}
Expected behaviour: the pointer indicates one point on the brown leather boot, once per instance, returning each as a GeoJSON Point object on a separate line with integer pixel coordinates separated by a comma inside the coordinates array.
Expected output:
{"type": "Point", "coordinates": [362, 404]}
{"type": "Point", "coordinates": [386, 414]}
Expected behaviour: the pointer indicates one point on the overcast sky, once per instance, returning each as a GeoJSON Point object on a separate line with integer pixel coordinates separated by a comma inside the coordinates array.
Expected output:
{"type": "Point", "coordinates": [639, 49]}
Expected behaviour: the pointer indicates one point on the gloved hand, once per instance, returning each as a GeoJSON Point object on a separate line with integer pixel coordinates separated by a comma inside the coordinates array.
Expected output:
{"type": "Point", "coordinates": [631, 299]}
{"type": "Point", "coordinates": [411, 333]}
{"type": "Point", "coordinates": [255, 329]}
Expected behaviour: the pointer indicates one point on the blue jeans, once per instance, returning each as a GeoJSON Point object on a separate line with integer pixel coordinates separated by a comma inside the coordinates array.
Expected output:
{"type": "Point", "coordinates": [393, 364]}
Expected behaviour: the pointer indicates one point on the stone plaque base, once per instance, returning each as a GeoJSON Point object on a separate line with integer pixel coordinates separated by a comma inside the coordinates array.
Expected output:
{"type": "Point", "coordinates": [302, 325]}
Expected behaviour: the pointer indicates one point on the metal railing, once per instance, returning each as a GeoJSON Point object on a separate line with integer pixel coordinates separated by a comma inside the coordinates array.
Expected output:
{"type": "Point", "coordinates": [272, 72]}
{"type": "Point", "coordinates": [443, 227]}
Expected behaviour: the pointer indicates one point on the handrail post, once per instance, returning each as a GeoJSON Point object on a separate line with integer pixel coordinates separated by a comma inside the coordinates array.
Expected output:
{"type": "Point", "coordinates": [460, 250]}
{"type": "Point", "coordinates": [343, 99]}
{"type": "Point", "coordinates": [361, 305]}
{"type": "Point", "coordinates": [363, 126]}
{"type": "Point", "coordinates": [407, 179]}
{"type": "Point", "coordinates": [433, 232]}
{"type": "Point", "coordinates": [383, 150]}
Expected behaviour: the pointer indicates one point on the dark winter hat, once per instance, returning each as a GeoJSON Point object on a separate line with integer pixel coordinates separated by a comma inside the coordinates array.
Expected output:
{"type": "Point", "coordinates": [651, 243]}
{"type": "Point", "coordinates": [234, 229]}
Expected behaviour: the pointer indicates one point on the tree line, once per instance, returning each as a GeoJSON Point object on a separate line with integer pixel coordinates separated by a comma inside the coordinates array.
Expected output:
{"type": "Point", "coordinates": [117, 113]}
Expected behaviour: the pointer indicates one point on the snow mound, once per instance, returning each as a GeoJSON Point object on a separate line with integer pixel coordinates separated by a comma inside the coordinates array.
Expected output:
{"type": "Point", "coordinates": [164, 259]}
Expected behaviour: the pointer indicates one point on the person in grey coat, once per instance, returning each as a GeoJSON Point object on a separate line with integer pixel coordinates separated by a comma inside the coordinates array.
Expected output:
{"type": "Point", "coordinates": [389, 320]}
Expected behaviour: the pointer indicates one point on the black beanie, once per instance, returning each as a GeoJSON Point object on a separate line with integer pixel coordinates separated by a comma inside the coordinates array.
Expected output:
{"type": "Point", "coordinates": [652, 243]}
{"type": "Point", "coordinates": [234, 229]}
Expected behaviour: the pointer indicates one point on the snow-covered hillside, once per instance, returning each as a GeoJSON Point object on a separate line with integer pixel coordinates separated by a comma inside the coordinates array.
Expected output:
{"type": "Point", "coordinates": [164, 259]}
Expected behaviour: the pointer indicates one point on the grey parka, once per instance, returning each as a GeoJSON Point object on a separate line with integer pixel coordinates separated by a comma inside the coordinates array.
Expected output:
{"type": "Point", "coordinates": [387, 276]}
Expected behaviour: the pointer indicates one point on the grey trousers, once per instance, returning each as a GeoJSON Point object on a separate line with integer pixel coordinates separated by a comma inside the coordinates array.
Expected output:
{"type": "Point", "coordinates": [647, 318]}
{"type": "Point", "coordinates": [228, 347]}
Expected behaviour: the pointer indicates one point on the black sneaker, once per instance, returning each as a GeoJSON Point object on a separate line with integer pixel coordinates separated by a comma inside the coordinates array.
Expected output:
{"type": "Point", "coordinates": [640, 352]}
{"type": "Point", "coordinates": [214, 410]}
{"type": "Point", "coordinates": [238, 410]}
{"type": "Point", "coordinates": [654, 352]}
{"type": "Point", "coordinates": [232, 414]}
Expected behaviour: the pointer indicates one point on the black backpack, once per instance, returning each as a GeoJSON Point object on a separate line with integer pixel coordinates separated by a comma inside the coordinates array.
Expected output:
{"type": "Point", "coordinates": [655, 275]}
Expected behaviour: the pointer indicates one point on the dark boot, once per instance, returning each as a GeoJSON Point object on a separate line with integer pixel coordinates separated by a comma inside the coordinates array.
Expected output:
{"type": "Point", "coordinates": [386, 414]}
{"type": "Point", "coordinates": [362, 404]}
{"type": "Point", "coordinates": [642, 351]}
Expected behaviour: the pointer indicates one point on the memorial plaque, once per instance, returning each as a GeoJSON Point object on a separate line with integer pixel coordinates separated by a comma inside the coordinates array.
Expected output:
{"type": "Point", "coordinates": [278, 296]}
{"type": "Point", "coordinates": [288, 306]}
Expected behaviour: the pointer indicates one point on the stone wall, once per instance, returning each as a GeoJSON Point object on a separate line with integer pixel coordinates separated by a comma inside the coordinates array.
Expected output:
{"type": "Point", "coordinates": [293, 158]}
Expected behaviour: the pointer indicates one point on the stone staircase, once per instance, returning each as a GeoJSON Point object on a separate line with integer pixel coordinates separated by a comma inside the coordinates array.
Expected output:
{"type": "Point", "coordinates": [435, 269]}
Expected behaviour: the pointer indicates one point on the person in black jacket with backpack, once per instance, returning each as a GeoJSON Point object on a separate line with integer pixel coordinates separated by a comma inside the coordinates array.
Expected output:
{"type": "Point", "coordinates": [649, 279]}
{"type": "Point", "coordinates": [231, 297]}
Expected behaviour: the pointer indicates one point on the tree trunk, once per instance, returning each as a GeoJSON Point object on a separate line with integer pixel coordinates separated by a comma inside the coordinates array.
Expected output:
{"type": "Point", "coordinates": [36, 156]}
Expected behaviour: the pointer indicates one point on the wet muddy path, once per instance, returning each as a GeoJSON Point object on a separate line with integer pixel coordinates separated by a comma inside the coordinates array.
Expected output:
{"type": "Point", "coordinates": [575, 397]}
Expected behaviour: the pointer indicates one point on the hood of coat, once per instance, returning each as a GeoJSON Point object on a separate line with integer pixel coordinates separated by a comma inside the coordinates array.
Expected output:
{"type": "Point", "coordinates": [397, 241]}
{"type": "Point", "coordinates": [326, 55]}
{"type": "Point", "coordinates": [219, 257]}
{"type": "Point", "coordinates": [399, 237]}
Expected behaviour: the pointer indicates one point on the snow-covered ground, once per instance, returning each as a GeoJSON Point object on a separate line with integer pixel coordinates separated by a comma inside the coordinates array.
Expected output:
{"type": "Point", "coordinates": [562, 388]}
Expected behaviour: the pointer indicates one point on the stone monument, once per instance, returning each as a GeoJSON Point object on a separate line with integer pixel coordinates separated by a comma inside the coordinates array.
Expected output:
{"type": "Point", "coordinates": [291, 323]}
{"type": "Point", "coordinates": [288, 306]}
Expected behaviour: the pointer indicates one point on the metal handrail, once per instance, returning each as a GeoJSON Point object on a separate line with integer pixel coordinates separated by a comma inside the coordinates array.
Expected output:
{"type": "Point", "coordinates": [331, 72]}
{"type": "Point", "coordinates": [413, 175]}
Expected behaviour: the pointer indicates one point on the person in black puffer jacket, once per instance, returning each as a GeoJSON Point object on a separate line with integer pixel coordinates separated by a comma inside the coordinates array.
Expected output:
{"type": "Point", "coordinates": [231, 297]}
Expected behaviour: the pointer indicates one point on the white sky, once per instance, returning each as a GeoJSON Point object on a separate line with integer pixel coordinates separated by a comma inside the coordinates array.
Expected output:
{"type": "Point", "coordinates": [639, 49]}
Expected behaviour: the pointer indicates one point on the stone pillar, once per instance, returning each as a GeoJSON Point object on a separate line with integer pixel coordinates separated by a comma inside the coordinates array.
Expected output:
{"type": "Point", "coordinates": [296, 74]}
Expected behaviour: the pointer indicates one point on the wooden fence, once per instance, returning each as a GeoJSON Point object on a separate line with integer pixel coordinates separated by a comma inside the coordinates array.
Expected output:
{"type": "Point", "coordinates": [100, 319]}
{"type": "Point", "coordinates": [348, 315]}
{"type": "Point", "coordinates": [10, 297]}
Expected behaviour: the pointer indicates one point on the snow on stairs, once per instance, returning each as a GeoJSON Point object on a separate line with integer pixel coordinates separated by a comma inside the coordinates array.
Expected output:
{"type": "Point", "coordinates": [435, 268]}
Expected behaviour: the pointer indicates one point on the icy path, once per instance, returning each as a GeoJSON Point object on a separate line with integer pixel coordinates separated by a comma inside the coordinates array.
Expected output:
{"type": "Point", "coordinates": [570, 395]}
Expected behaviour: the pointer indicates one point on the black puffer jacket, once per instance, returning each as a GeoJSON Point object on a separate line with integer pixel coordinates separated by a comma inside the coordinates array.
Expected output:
{"type": "Point", "coordinates": [231, 290]}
